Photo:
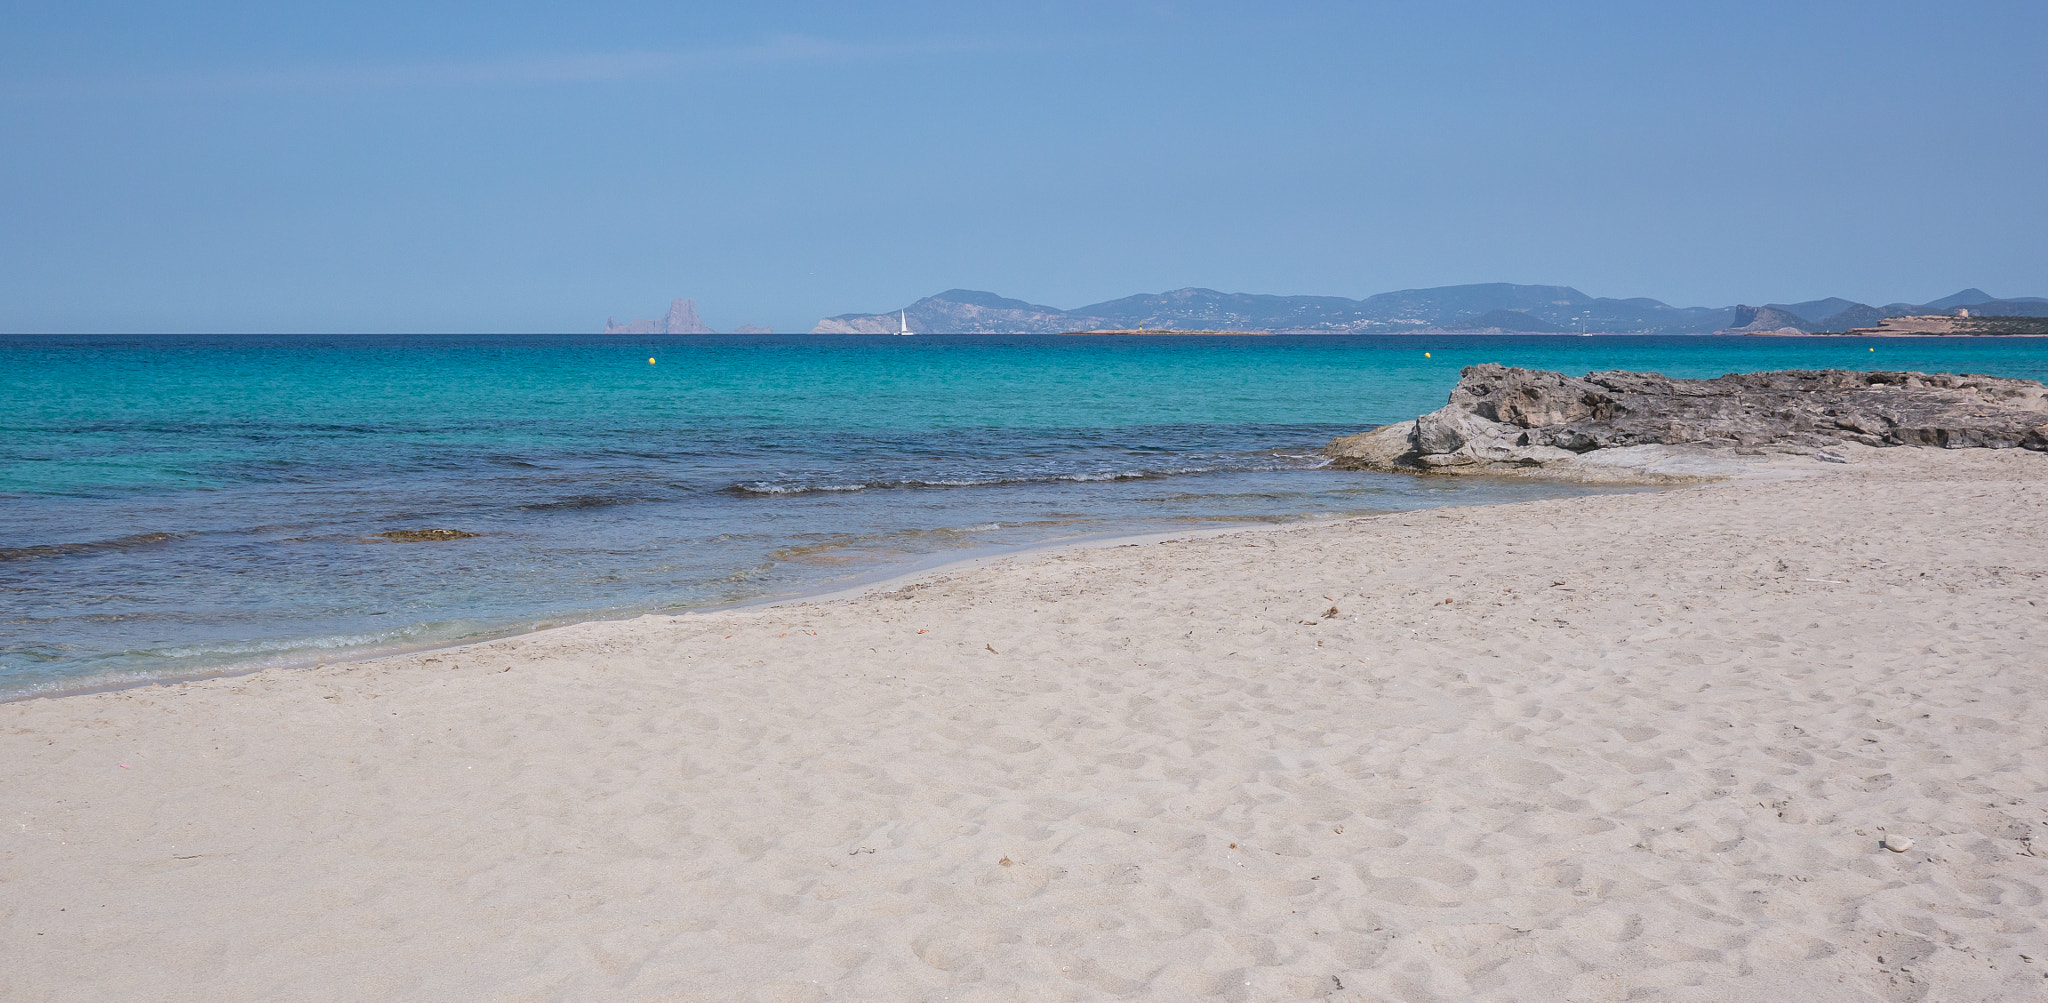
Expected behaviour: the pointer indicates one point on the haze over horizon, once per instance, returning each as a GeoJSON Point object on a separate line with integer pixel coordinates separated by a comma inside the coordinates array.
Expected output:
{"type": "Point", "coordinates": [459, 167]}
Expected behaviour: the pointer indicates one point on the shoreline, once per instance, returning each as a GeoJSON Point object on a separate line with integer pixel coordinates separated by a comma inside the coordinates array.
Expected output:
{"type": "Point", "coordinates": [1771, 737]}
{"type": "Point", "coordinates": [895, 573]}
{"type": "Point", "coordinates": [837, 589]}
{"type": "Point", "coordinates": [853, 587]}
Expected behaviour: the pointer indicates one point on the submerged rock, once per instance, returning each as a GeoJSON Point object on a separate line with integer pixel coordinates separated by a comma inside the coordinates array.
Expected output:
{"type": "Point", "coordinates": [424, 535]}
{"type": "Point", "coordinates": [1501, 418]}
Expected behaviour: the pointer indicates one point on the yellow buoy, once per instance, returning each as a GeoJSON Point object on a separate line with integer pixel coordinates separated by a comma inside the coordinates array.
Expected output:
{"type": "Point", "coordinates": [1425, 355]}
{"type": "Point", "coordinates": [1873, 349]}
{"type": "Point", "coordinates": [650, 360]}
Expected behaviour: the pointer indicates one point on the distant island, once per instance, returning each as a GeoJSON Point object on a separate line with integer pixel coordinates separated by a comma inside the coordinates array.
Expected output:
{"type": "Point", "coordinates": [1168, 332]}
{"type": "Point", "coordinates": [1485, 308]}
{"type": "Point", "coordinates": [682, 319]}
{"type": "Point", "coordinates": [1488, 308]}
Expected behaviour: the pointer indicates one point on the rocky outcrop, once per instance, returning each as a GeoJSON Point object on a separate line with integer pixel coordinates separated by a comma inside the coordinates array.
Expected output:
{"type": "Point", "coordinates": [1501, 418]}
{"type": "Point", "coordinates": [682, 319]}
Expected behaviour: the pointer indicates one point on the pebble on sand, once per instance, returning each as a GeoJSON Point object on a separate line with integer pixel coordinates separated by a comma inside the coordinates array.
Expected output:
{"type": "Point", "coordinates": [1897, 844]}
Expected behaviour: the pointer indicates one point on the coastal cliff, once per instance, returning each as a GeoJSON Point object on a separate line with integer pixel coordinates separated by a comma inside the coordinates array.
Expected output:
{"type": "Point", "coordinates": [1502, 419]}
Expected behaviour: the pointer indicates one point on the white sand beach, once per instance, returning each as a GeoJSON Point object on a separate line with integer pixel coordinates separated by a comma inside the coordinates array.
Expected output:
{"type": "Point", "coordinates": [1634, 746]}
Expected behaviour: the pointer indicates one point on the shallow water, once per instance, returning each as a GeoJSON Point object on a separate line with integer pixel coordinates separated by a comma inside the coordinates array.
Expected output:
{"type": "Point", "coordinates": [176, 505]}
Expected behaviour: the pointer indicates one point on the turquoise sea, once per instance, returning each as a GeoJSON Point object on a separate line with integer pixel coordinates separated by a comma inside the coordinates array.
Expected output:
{"type": "Point", "coordinates": [173, 506]}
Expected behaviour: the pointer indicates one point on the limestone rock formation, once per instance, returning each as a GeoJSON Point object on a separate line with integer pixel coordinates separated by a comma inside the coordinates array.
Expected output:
{"type": "Point", "coordinates": [1501, 418]}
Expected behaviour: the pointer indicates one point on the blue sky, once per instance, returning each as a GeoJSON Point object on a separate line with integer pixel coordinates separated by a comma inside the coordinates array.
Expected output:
{"type": "Point", "coordinates": [375, 166]}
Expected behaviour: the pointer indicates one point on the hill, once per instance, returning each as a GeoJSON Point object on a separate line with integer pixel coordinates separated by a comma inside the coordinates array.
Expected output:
{"type": "Point", "coordinates": [963, 311]}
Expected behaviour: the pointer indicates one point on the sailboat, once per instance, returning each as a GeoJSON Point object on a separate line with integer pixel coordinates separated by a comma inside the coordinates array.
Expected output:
{"type": "Point", "coordinates": [903, 324]}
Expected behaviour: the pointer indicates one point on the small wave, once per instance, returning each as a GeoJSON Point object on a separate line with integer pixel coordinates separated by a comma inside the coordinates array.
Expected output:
{"type": "Point", "coordinates": [94, 547]}
{"type": "Point", "coordinates": [807, 550]}
{"type": "Point", "coordinates": [1309, 461]}
{"type": "Point", "coordinates": [914, 483]}
{"type": "Point", "coordinates": [198, 660]}
{"type": "Point", "coordinates": [227, 651]}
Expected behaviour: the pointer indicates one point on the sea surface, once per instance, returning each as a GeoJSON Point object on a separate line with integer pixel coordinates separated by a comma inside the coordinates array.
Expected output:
{"type": "Point", "coordinates": [175, 506]}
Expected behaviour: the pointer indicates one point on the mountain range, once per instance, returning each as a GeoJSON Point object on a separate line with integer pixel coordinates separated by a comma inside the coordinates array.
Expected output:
{"type": "Point", "coordinates": [1494, 306]}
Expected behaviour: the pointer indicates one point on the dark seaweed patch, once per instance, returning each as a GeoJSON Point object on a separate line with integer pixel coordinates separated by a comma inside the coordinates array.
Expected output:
{"type": "Point", "coordinates": [425, 535]}
{"type": "Point", "coordinates": [94, 547]}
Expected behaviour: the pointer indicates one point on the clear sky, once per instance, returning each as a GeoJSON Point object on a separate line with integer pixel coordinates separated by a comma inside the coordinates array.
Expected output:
{"type": "Point", "coordinates": [516, 166]}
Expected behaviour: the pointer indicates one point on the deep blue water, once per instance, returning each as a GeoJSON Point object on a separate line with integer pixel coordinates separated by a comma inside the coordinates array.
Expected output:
{"type": "Point", "coordinates": [175, 505]}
